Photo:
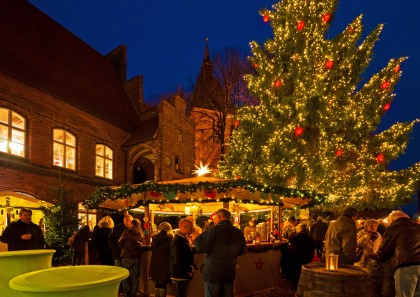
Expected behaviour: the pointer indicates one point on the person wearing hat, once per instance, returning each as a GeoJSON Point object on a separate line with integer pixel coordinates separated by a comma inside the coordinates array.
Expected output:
{"type": "Point", "coordinates": [401, 242]}
{"type": "Point", "coordinates": [159, 264]}
{"type": "Point", "coordinates": [341, 237]}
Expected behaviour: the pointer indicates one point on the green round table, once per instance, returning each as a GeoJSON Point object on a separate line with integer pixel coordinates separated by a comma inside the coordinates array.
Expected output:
{"type": "Point", "coordinates": [14, 263]}
{"type": "Point", "coordinates": [71, 281]}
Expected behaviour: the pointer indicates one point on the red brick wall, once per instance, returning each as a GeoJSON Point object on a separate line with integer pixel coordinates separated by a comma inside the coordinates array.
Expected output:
{"type": "Point", "coordinates": [43, 112]}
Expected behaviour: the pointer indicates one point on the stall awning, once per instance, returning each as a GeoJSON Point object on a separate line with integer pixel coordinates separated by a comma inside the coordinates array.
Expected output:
{"type": "Point", "coordinates": [199, 190]}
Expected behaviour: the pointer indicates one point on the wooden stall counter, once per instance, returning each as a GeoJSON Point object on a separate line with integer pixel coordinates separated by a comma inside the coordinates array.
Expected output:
{"type": "Point", "coordinates": [258, 270]}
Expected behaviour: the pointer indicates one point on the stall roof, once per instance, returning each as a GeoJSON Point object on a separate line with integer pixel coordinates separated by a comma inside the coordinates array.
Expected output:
{"type": "Point", "coordinates": [199, 190]}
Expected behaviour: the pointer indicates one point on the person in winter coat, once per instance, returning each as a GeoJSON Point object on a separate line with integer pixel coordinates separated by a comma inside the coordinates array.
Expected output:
{"type": "Point", "coordinates": [23, 234]}
{"type": "Point", "coordinates": [100, 241]}
{"type": "Point", "coordinates": [115, 236]}
{"type": "Point", "coordinates": [131, 242]}
{"type": "Point", "coordinates": [317, 232]}
{"type": "Point", "coordinates": [302, 251]}
{"type": "Point", "coordinates": [80, 246]}
{"type": "Point", "coordinates": [368, 242]}
{"type": "Point", "coordinates": [182, 258]}
{"type": "Point", "coordinates": [341, 237]}
{"type": "Point", "coordinates": [222, 244]}
{"type": "Point", "coordinates": [401, 242]}
{"type": "Point", "coordinates": [159, 271]}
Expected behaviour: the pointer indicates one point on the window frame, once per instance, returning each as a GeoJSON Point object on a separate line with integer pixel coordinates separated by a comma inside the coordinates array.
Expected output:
{"type": "Point", "coordinates": [65, 146]}
{"type": "Point", "coordinates": [104, 159]}
{"type": "Point", "coordinates": [10, 128]}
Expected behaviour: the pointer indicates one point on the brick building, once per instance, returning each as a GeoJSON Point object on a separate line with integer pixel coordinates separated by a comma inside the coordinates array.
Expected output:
{"type": "Point", "coordinates": [69, 116]}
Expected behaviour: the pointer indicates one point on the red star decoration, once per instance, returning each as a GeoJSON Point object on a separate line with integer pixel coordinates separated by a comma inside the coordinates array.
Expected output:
{"type": "Point", "coordinates": [259, 264]}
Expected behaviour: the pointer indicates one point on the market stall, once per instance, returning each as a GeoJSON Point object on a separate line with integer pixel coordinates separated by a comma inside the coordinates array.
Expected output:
{"type": "Point", "coordinates": [259, 268]}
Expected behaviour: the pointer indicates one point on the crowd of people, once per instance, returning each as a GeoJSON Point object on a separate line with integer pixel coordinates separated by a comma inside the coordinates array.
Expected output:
{"type": "Point", "coordinates": [390, 250]}
{"type": "Point", "coordinates": [393, 248]}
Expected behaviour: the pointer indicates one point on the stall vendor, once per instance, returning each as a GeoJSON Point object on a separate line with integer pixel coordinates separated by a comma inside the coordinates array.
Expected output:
{"type": "Point", "coordinates": [251, 229]}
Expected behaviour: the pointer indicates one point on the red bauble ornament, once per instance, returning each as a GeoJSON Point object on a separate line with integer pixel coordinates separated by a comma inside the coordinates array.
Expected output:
{"type": "Point", "coordinates": [351, 30]}
{"type": "Point", "coordinates": [380, 158]}
{"type": "Point", "coordinates": [210, 194]}
{"type": "Point", "coordinates": [238, 177]}
{"type": "Point", "coordinates": [329, 64]}
{"type": "Point", "coordinates": [397, 68]}
{"type": "Point", "coordinates": [298, 131]}
{"type": "Point", "coordinates": [256, 65]}
{"type": "Point", "coordinates": [339, 153]}
{"type": "Point", "coordinates": [385, 85]}
{"type": "Point", "coordinates": [236, 123]}
{"type": "Point", "coordinates": [300, 25]}
{"type": "Point", "coordinates": [266, 18]}
{"type": "Point", "coordinates": [326, 18]}
{"type": "Point", "coordinates": [386, 106]}
{"type": "Point", "coordinates": [278, 83]}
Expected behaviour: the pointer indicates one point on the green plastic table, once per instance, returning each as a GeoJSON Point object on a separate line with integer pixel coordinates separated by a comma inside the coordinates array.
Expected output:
{"type": "Point", "coordinates": [14, 263]}
{"type": "Point", "coordinates": [71, 281]}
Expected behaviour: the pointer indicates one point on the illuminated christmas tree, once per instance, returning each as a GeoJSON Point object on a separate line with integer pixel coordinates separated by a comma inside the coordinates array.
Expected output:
{"type": "Point", "coordinates": [316, 126]}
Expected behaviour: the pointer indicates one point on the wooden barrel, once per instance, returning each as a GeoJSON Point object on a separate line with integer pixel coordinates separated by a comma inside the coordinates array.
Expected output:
{"type": "Point", "coordinates": [347, 281]}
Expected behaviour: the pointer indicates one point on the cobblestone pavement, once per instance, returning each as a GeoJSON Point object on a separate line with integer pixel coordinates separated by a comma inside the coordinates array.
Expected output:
{"type": "Point", "coordinates": [285, 290]}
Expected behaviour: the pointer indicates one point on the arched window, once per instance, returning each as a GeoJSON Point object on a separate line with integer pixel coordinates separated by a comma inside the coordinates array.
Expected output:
{"type": "Point", "coordinates": [12, 132]}
{"type": "Point", "coordinates": [64, 149]}
{"type": "Point", "coordinates": [104, 157]}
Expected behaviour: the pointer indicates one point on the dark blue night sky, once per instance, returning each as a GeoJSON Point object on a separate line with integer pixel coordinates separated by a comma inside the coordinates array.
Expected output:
{"type": "Point", "coordinates": [166, 40]}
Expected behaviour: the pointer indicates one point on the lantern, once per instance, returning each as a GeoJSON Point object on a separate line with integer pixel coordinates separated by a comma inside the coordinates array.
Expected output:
{"type": "Point", "coordinates": [331, 262]}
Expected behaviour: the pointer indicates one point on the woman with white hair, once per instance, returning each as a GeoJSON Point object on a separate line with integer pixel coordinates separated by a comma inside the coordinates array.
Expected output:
{"type": "Point", "coordinates": [159, 264]}
{"type": "Point", "coordinates": [368, 242]}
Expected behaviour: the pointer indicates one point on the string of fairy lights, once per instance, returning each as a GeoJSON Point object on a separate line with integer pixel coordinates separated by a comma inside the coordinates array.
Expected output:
{"type": "Point", "coordinates": [160, 193]}
{"type": "Point", "coordinates": [316, 126]}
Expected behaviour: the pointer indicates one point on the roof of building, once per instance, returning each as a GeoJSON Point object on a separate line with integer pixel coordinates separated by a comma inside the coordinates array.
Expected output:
{"type": "Point", "coordinates": [147, 128]}
{"type": "Point", "coordinates": [38, 51]}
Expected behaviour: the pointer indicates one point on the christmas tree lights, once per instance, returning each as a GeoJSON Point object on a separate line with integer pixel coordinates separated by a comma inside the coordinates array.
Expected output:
{"type": "Point", "coordinates": [312, 83]}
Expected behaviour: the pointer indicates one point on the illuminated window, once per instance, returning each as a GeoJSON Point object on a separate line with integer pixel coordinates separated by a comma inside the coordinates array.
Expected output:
{"type": "Point", "coordinates": [12, 132]}
{"type": "Point", "coordinates": [104, 157]}
{"type": "Point", "coordinates": [64, 149]}
{"type": "Point", "coordinates": [87, 217]}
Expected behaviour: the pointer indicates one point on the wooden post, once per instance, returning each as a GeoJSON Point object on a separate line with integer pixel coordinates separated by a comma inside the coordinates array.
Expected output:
{"type": "Point", "coordinates": [280, 231]}
{"type": "Point", "coordinates": [147, 215]}
{"type": "Point", "coordinates": [272, 219]}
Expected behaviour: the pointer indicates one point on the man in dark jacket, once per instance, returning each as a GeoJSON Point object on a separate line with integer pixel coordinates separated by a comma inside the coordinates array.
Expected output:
{"type": "Point", "coordinates": [23, 234]}
{"type": "Point", "coordinates": [222, 243]}
{"type": "Point", "coordinates": [317, 232]}
{"type": "Point", "coordinates": [401, 241]}
{"type": "Point", "coordinates": [114, 237]}
{"type": "Point", "coordinates": [341, 237]}
{"type": "Point", "coordinates": [182, 258]}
